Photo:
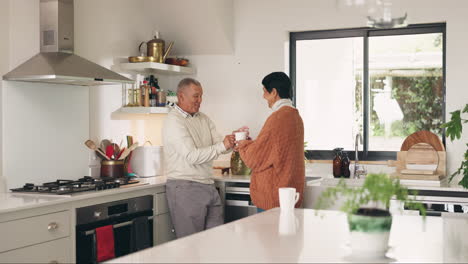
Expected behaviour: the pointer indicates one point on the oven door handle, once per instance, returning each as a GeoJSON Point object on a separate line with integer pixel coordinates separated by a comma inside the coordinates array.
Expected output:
{"type": "Point", "coordinates": [90, 232]}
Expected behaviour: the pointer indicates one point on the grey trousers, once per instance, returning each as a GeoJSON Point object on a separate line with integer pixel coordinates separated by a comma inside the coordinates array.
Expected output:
{"type": "Point", "coordinates": [193, 206]}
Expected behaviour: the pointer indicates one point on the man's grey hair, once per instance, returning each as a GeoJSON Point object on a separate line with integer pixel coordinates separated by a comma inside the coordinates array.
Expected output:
{"type": "Point", "coordinates": [185, 83]}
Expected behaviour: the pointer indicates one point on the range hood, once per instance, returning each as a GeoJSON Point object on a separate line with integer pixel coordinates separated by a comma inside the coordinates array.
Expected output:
{"type": "Point", "coordinates": [56, 63]}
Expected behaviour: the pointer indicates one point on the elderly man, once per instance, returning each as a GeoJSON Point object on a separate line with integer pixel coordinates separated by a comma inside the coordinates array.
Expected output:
{"type": "Point", "coordinates": [191, 143]}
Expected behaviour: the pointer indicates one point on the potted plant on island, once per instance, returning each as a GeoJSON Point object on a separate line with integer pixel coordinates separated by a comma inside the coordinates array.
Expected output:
{"type": "Point", "coordinates": [367, 209]}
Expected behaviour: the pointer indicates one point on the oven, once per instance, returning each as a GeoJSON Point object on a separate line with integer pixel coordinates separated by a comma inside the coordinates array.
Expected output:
{"type": "Point", "coordinates": [238, 203]}
{"type": "Point", "coordinates": [131, 221]}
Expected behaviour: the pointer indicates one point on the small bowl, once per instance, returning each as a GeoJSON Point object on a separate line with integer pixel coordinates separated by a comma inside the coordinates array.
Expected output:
{"type": "Point", "coordinates": [177, 61]}
{"type": "Point", "coordinates": [182, 62]}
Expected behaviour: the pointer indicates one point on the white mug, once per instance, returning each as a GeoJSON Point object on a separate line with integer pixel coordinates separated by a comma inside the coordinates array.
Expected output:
{"type": "Point", "coordinates": [288, 198]}
{"type": "Point", "coordinates": [241, 135]}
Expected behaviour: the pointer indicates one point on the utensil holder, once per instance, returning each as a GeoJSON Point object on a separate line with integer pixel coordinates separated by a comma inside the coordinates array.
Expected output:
{"type": "Point", "coordinates": [112, 169]}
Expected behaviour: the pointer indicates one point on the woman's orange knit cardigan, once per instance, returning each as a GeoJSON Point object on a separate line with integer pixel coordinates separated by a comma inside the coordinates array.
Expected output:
{"type": "Point", "coordinates": [276, 158]}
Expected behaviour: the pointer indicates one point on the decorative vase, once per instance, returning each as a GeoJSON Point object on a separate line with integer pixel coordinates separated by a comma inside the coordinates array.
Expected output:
{"type": "Point", "coordinates": [370, 232]}
{"type": "Point", "coordinates": [238, 167]}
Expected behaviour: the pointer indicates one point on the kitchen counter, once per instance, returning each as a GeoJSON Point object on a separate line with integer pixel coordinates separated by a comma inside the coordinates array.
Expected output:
{"type": "Point", "coordinates": [10, 202]}
{"type": "Point", "coordinates": [323, 237]}
{"type": "Point", "coordinates": [18, 201]}
{"type": "Point", "coordinates": [232, 178]}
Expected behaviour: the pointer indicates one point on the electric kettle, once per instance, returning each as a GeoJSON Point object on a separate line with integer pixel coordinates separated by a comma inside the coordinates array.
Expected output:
{"type": "Point", "coordinates": [155, 48]}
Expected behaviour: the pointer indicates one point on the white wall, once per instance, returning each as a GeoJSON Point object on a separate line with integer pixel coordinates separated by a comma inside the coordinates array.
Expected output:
{"type": "Point", "coordinates": [260, 34]}
{"type": "Point", "coordinates": [4, 63]}
{"type": "Point", "coordinates": [44, 126]}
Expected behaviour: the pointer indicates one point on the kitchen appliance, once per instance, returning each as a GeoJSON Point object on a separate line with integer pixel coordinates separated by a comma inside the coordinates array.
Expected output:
{"type": "Point", "coordinates": [56, 62]}
{"type": "Point", "coordinates": [122, 215]}
{"type": "Point", "coordinates": [147, 161]}
{"type": "Point", "coordinates": [238, 203]}
{"type": "Point", "coordinates": [155, 48]}
{"type": "Point", "coordinates": [69, 186]}
{"type": "Point", "coordinates": [440, 202]}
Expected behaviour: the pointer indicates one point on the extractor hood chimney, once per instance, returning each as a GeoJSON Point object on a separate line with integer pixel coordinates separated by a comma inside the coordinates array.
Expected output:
{"type": "Point", "coordinates": [56, 63]}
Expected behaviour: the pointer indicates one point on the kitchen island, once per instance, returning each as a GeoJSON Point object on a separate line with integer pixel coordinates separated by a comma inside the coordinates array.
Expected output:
{"type": "Point", "coordinates": [311, 236]}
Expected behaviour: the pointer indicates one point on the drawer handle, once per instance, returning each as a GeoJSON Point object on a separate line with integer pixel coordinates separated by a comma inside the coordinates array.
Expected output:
{"type": "Point", "coordinates": [52, 226]}
{"type": "Point", "coordinates": [173, 230]}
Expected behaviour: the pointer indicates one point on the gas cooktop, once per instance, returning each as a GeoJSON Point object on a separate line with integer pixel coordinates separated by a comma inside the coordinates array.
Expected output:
{"type": "Point", "coordinates": [69, 186]}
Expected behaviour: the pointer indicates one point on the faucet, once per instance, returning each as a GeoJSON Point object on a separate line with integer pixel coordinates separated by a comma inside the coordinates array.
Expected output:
{"type": "Point", "coordinates": [358, 170]}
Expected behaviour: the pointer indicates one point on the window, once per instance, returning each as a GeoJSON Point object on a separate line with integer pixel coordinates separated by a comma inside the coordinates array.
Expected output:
{"type": "Point", "coordinates": [384, 84]}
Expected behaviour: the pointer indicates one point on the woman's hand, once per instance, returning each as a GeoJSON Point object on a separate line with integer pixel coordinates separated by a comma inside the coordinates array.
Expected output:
{"type": "Point", "coordinates": [239, 144]}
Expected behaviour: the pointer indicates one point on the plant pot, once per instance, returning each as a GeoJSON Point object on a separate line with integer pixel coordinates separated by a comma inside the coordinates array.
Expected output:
{"type": "Point", "coordinates": [370, 231]}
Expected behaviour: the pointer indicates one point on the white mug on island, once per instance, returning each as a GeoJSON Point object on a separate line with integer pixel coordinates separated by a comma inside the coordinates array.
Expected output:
{"type": "Point", "coordinates": [288, 198]}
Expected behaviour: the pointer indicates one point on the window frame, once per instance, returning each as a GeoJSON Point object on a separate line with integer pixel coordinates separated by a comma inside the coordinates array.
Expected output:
{"type": "Point", "coordinates": [365, 32]}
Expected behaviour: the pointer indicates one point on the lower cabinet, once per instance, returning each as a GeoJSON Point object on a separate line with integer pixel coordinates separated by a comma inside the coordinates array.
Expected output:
{"type": "Point", "coordinates": [37, 239]}
{"type": "Point", "coordinates": [164, 230]}
{"type": "Point", "coordinates": [57, 251]}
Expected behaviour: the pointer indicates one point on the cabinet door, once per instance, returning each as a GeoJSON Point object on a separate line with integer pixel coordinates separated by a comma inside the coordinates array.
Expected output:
{"type": "Point", "coordinates": [34, 230]}
{"type": "Point", "coordinates": [164, 231]}
{"type": "Point", "coordinates": [161, 204]}
{"type": "Point", "coordinates": [57, 251]}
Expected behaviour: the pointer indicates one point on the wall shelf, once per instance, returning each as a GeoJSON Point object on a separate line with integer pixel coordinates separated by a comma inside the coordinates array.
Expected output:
{"type": "Point", "coordinates": [145, 110]}
{"type": "Point", "coordinates": [161, 68]}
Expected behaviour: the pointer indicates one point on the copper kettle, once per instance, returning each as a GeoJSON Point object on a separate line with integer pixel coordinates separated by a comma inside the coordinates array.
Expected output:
{"type": "Point", "coordinates": [155, 48]}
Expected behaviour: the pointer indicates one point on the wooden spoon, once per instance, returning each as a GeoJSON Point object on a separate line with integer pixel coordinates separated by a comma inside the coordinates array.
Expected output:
{"type": "Point", "coordinates": [105, 143]}
{"type": "Point", "coordinates": [90, 144]}
{"type": "Point", "coordinates": [127, 151]}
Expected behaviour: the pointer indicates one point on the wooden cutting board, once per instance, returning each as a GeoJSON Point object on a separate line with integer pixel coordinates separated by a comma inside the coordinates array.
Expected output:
{"type": "Point", "coordinates": [400, 165]}
{"type": "Point", "coordinates": [423, 136]}
{"type": "Point", "coordinates": [421, 157]}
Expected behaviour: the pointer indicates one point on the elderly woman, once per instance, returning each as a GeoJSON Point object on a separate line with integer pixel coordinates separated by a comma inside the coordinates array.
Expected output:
{"type": "Point", "coordinates": [276, 157]}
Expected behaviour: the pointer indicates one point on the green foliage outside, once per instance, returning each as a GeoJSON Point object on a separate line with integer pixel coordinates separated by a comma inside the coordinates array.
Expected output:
{"type": "Point", "coordinates": [454, 129]}
{"type": "Point", "coordinates": [377, 189]}
{"type": "Point", "coordinates": [420, 99]}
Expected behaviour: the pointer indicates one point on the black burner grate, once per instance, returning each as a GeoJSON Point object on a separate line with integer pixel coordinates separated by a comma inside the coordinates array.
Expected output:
{"type": "Point", "coordinates": [86, 183]}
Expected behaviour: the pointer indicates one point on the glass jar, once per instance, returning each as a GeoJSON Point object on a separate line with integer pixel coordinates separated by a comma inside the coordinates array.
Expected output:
{"type": "Point", "coordinates": [238, 167]}
{"type": "Point", "coordinates": [130, 98]}
{"type": "Point", "coordinates": [345, 165]}
{"type": "Point", "coordinates": [337, 163]}
{"type": "Point", "coordinates": [137, 96]}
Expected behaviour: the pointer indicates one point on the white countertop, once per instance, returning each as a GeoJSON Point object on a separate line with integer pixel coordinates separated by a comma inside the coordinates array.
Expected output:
{"type": "Point", "coordinates": [14, 201]}
{"type": "Point", "coordinates": [18, 201]}
{"type": "Point", "coordinates": [272, 237]}
{"type": "Point", "coordinates": [232, 178]}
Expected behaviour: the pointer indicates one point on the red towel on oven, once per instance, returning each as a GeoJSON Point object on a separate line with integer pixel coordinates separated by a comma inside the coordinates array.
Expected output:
{"type": "Point", "coordinates": [105, 243]}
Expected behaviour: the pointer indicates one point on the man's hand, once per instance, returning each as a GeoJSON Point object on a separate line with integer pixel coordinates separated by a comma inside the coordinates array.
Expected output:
{"type": "Point", "coordinates": [229, 141]}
